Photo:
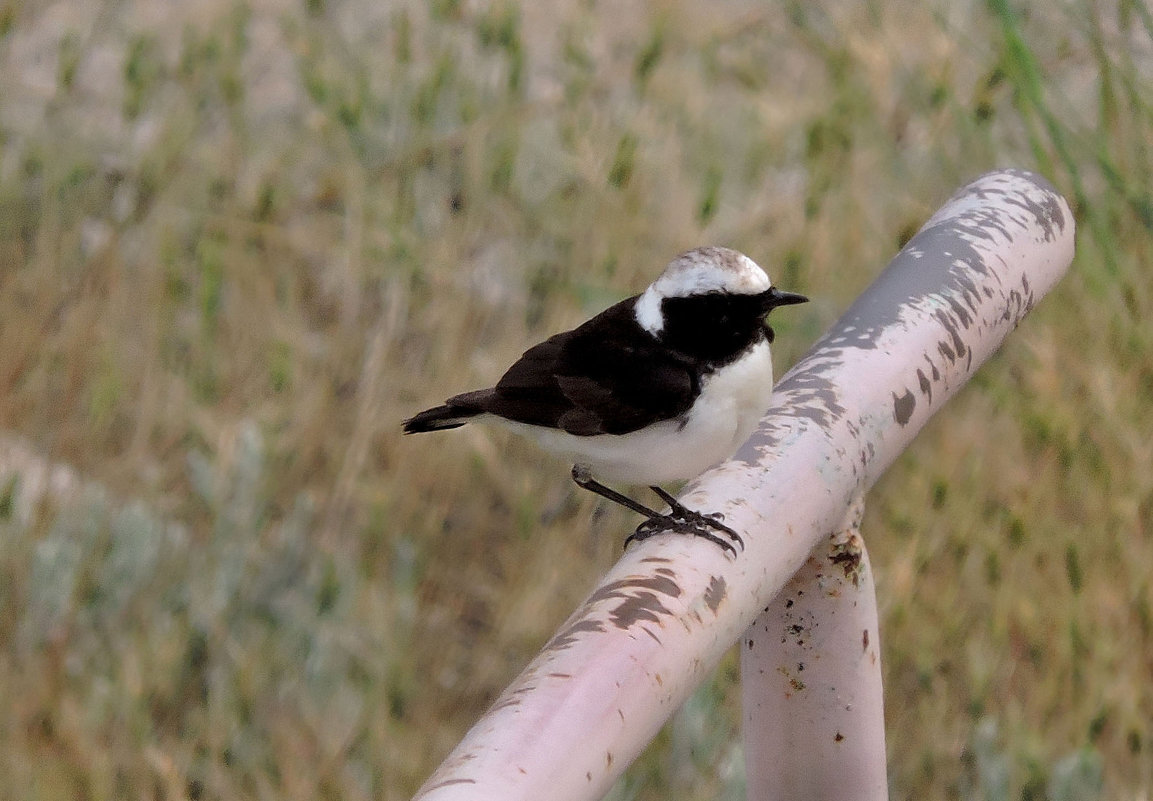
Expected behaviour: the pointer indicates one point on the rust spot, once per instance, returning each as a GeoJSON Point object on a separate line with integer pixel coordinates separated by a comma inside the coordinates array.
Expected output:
{"type": "Point", "coordinates": [715, 593]}
{"type": "Point", "coordinates": [903, 407]}
{"type": "Point", "coordinates": [839, 737]}
{"type": "Point", "coordinates": [848, 556]}
{"type": "Point", "coordinates": [865, 640]}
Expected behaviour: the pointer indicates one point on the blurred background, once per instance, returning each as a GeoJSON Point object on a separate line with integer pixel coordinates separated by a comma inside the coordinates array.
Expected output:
{"type": "Point", "coordinates": [241, 241]}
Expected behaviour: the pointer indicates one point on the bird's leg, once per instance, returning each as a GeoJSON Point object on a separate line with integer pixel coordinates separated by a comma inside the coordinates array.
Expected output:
{"type": "Point", "coordinates": [681, 518]}
{"type": "Point", "coordinates": [584, 480]}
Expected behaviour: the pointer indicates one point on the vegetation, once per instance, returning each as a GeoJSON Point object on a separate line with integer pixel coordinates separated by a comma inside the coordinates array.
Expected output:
{"type": "Point", "coordinates": [240, 241]}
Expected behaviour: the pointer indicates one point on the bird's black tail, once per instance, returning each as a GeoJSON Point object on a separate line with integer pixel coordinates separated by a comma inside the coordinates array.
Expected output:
{"type": "Point", "coordinates": [457, 411]}
{"type": "Point", "coordinates": [438, 419]}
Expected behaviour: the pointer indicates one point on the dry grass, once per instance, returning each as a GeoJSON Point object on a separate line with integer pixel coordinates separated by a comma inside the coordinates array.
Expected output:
{"type": "Point", "coordinates": [240, 241]}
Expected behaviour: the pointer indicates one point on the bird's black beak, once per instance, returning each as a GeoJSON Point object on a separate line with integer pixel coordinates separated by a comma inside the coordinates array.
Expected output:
{"type": "Point", "coordinates": [775, 297]}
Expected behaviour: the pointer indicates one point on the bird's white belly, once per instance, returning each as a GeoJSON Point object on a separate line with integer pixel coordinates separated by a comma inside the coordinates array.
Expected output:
{"type": "Point", "coordinates": [732, 401]}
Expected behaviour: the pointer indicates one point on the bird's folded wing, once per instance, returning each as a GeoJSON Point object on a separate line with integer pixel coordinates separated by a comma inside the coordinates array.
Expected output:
{"type": "Point", "coordinates": [586, 387]}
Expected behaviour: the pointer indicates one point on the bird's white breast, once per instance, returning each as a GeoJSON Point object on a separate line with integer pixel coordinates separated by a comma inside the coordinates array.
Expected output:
{"type": "Point", "coordinates": [732, 400]}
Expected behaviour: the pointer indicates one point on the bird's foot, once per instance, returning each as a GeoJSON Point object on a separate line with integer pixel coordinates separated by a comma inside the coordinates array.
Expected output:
{"type": "Point", "coordinates": [681, 518]}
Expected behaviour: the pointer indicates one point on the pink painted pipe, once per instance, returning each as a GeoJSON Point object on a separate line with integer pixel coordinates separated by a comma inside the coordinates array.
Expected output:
{"type": "Point", "coordinates": [661, 618]}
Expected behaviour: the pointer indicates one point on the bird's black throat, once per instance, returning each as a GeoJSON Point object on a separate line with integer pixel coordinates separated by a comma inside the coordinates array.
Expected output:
{"type": "Point", "coordinates": [715, 328]}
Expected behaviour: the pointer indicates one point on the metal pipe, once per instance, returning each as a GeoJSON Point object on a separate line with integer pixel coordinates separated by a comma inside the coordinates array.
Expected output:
{"type": "Point", "coordinates": [814, 722]}
{"type": "Point", "coordinates": [662, 617]}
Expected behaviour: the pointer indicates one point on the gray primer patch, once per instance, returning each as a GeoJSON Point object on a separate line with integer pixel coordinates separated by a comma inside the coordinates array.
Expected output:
{"type": "Point", "coordinates": [716, 593]}
{"type": "Point", "coordinates": [569, 634]}
{"type": "Point", "coordinates": [954, 283]}
{"type": "Point", "coordinates": [640, 599]}
{"type": "Point", "coordinates": [923, 383]}
{"type": "Point", "coordinates": [903, 407]}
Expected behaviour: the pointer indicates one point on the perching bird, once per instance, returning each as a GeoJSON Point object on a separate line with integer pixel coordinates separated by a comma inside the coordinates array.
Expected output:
{"type": "Point", "coordinates": [654, 389]}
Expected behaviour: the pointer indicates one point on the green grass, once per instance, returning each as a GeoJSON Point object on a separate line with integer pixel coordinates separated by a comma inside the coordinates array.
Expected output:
{"type": "Point", "coordinates": [240, 242]}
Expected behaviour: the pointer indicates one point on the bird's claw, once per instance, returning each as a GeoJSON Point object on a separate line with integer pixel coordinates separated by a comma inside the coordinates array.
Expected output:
{"type": "Point", "coordinates": [690, 522]}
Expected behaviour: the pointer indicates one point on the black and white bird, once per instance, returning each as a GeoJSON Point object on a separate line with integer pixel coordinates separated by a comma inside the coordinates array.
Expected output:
{"type": "Point", "coordinates": [654, 389]}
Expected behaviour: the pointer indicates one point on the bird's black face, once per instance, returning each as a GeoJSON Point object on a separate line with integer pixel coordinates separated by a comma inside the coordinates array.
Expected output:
{"type": "Point", "coordinates": [717, 327]}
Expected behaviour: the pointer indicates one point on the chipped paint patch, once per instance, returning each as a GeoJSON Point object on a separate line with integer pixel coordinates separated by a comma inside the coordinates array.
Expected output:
{"type": "Point", "coordinates": [570, 633]}
{"type": "Point", "coordinates": [638, 599]}
{"type": "Point", "coordinates": [903, 407]}
{"type": "Point", "coordinates": [715, 593]}
{"type": "Point", "coordinates": [926, 387]}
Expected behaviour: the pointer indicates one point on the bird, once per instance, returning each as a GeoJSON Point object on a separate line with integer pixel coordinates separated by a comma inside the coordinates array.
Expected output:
{"type": "Point", "coordinates": [656, 388]}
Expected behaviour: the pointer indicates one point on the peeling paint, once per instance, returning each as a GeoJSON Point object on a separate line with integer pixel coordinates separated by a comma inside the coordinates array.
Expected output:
{"type": "Point", "coordinates": [923, 383]}
{"type": "Point", "coordinates": [635, 608]}
{"type": "Point", "coordinates": [513, 697]}
{"type": "Point", "coordinates": [640, 601]}
{"type": "Point", "coordinates": [903, 407]}
{"type": "Point", "coordinates": [569, 634]}
{"type": "Point", "coordinates": [715, 593]}
{"type": "Point", "coordinates": [954, 288]}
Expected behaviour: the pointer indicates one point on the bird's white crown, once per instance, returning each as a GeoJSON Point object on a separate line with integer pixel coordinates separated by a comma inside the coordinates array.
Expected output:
{"type": "Point", "coordinates": [698, 272]}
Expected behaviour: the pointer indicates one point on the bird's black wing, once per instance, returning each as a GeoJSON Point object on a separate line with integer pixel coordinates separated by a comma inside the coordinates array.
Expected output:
{"type": "Point", "coordinates": [606, 377]}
